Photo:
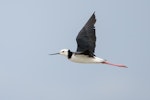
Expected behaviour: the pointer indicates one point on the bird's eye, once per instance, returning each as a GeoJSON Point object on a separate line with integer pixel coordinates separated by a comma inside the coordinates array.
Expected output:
{"type": "Point", "coordinates": [62, 51]}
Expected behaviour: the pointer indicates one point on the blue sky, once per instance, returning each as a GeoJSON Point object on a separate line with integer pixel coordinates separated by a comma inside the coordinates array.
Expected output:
{"type": "Point", "coordinates": [31, 29]}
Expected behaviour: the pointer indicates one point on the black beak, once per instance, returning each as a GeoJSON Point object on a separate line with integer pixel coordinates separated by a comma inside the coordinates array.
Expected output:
{"type": "Point", "coordinates": [54, 54]}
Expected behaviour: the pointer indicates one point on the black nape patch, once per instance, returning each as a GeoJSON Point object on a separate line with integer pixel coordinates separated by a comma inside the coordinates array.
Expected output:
{"type": "Point", "coordinates": [69, 54]}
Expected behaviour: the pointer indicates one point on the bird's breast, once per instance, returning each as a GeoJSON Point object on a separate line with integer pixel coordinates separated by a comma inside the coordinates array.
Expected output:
{"type": "Point", "coordinates": [85, 59]}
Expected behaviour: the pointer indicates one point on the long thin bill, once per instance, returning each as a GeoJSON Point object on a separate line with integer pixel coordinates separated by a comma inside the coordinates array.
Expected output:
{"type": "Point", "coordinates": [54, 54]}
{"type": "Point", "coordinates": [118, 65]}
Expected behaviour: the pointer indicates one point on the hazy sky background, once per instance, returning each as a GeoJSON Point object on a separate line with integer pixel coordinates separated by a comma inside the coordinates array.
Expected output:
{"type": "Point", "coordinates": [31, 29]}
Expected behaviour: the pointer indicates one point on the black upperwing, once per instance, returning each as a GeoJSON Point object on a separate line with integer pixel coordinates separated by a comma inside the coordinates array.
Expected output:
{"type": "Point", "coordinates": [86, 38]}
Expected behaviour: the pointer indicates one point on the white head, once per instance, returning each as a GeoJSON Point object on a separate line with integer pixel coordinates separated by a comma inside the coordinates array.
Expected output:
{"type": "Point", "coordinates": [63, 52]}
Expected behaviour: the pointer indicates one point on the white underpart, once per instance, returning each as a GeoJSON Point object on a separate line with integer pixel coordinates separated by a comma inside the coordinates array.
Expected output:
{"type": "Point", "coordinates": [86, 59]}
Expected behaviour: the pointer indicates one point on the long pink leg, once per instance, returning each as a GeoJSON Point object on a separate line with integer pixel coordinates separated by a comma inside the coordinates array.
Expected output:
{"type": "Point", "coordinates": [118, 65]}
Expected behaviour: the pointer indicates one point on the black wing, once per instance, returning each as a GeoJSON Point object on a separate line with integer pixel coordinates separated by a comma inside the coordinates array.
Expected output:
{"type": "Point", "coordinates": [86, 38]}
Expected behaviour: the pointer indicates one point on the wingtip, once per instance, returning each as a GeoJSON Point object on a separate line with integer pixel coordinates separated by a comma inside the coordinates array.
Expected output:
{"type": "Point", "coordinates": [94, 13]}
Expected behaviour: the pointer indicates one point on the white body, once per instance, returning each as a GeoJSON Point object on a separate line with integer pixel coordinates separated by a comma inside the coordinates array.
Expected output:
{"type": "Point", "coordinates": [78, 58]}
{"type": "Point", "coordinates": [85, 59]}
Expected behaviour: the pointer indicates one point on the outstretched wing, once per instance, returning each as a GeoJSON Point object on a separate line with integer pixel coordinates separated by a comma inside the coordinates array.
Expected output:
{"type": "Point", "coordinates": [86, 38]}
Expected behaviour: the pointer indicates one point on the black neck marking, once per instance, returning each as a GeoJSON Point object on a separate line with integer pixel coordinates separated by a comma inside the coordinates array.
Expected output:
{"type": "Point", "coordinates": [69, 54]}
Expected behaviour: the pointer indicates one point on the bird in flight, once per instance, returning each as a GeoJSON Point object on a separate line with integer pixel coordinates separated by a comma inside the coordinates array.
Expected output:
{"type": "Point", "coordinates": [86, 42]}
